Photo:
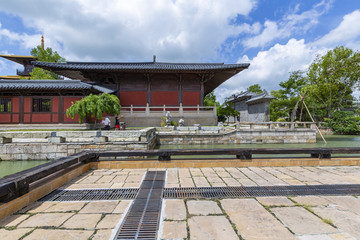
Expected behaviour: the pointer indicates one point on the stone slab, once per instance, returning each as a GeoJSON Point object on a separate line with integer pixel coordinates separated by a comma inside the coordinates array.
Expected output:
{"type": "Point", "coordinates": [86, 221]}
{"type": "Point", "coordinates": [102, 234]}
{"type": "Point", "coordinates": [315, 237]}
{"type": "Point", "coordinates": [100, 207]}
{"type": "Point", "coordinates": [65, 207]}
{"type": "Point", "coordinates": [311, 200]}
{"type": "Point", "coordinates": [186, 182]}
{"type": "Point", "coordinates": [343, 219]}
{"type": "Point", "coordinates": [55, 234]}
{"type": "Point", "coordinates": [201, 182]}
{"type": "Point", "coordinates": [122, 206]}
{"type": "Point", "coordinates": [174, 230]}
{"type": "Point", "coordinates": [196, 207]}
{"type": "Point", "coordinates": [174, 209]}
{"type": "Point", "coordinates": [346, 202]}
{"type": "Point", "coordinates": [109, 221]}
{"type": "Point", "coordinates": [13, 220]}
{"type": "Point", "coordinates": [248, 215]}
{"type": "Point", "coordinates": [37, 207]}
{"type": "Point", "coordinates": [45, 220]}
{"type": "Point", "coordinates": [301, 221]}
{"type": "Point", "coordinates": [13, 234]}
{"type": "Point", "coordinates": [211, 227]}
{"type": "Point", "coordinates": [275, 201]}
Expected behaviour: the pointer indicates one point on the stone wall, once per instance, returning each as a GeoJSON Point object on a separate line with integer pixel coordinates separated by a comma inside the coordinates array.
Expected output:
{"type": "Point", "coordinates": [51, 145]}
{"type": "Point", "coordinates": [239, 137]}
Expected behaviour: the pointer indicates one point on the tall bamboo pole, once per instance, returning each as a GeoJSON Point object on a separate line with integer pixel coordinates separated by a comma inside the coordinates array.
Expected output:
{"type": "Point", "coordinates": [314, 122]}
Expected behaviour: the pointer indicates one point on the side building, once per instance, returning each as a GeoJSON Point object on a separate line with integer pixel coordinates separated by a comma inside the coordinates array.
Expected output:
{"type": "Point", "coordinates": [252, 107]}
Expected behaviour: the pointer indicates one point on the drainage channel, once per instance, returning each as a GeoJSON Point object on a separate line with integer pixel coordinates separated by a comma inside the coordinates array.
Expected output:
{"type": "Point", "coordinates": [142, 219]}
{"type": "Point", "coordinates": [91, 194]}
{"type": "Point", "coordinates": [202, 192]}
{"type": "Point", "coordinates": [262, 191]}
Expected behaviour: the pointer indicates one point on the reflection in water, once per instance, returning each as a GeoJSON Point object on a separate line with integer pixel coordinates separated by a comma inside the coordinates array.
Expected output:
{"type": "Point", "coordinates": [332, 141]}
{"type": "Point", "coordinates": [10, 167]}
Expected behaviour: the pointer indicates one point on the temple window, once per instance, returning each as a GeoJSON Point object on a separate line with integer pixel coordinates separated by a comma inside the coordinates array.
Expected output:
{"type": "Point", "coordinates": [5, 105]}
{"type": "Point", "coordinates": [41, 105]}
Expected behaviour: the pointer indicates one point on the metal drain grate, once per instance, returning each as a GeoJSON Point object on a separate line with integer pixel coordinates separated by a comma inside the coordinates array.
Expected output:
{"type": "Point", "coordinates": [262, 191]}
{"type": "Point", "coordinates": [142, 220]}
{"type": "Point", "coordinates": [91, 194]}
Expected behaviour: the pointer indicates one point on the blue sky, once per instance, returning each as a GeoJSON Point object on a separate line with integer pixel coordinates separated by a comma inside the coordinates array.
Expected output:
{"type": "Point", "coordinates": [274, 36]}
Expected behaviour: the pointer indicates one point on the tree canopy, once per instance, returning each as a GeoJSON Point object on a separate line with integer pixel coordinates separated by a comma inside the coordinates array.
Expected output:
{"type": "Point", "coordinates": [44, 55]}
{"type": "Point", "coordinates": [94, 106]}
{"type": "Point", "coordinates": [332, 79]}
{"type": "Point", "coordinates": [255, 89]}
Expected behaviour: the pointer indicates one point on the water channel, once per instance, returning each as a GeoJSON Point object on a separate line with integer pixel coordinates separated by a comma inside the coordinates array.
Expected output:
{"type": "Point", "coordinates": [9, 167]}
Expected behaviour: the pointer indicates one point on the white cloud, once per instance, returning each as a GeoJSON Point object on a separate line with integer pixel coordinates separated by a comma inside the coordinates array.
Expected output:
{"type": "Point", "coordinates": [271, 67]}
{"type": "Point", "coordinates": [346, 32]}
{"type": "Point", "coordinates": [289, 24]}
{"type": "Point", "coordinates": [120, 30]}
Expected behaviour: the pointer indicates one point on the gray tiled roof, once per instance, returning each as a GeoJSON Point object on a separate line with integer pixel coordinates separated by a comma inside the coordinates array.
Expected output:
{"type": "Point", "coordinates": [159, 66]}
{"type": "Point", "coordinates": [49, 85]}
{"type": "Point", "coordinates": [259, 97]}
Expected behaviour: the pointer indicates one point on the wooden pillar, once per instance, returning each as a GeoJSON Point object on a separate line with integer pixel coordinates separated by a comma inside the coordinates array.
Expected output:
{"type": "Point", "coordinates": [202, 81]}
{"type": "Point", "coordinates": [21, 109]}
{"type": "Point", "coordinates": [180, 89]}
{"type": "Point", "coordinates": [148, 89]}
{"type": "Point", "coordinates": [61, 109]}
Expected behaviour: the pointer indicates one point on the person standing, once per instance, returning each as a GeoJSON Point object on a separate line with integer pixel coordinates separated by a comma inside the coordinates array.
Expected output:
{"type": "Point", "coordinates": [117, 124]}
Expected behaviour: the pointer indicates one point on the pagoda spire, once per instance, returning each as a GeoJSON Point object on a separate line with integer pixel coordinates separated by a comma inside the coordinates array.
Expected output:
{"type": "Point", "coordinates": [42, 42]}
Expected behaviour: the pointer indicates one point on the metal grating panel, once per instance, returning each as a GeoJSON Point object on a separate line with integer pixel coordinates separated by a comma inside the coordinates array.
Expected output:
{"type": "Point", "coordinates": [157, 191]}
{"type": "Point", "coordinates": [262, 191]}
{"type": "Point", "coordinates": [91, 194]}
{"type": "Point", "coordinates": [142, 220]}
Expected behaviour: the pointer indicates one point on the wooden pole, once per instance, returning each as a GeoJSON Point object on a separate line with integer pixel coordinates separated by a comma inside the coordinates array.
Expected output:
{"type": "Point", "coordinates": [314, 122]}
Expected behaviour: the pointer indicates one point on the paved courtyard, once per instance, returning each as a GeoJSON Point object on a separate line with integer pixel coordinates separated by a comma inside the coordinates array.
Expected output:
{"type": "Point", "coordinates": [302, 217]}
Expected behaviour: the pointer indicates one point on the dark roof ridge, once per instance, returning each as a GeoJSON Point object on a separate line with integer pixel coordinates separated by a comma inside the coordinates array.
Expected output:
{"type": "Point", "coordinates": [41, 80]}
{"type": "Point", "coordinates": [171, 63]}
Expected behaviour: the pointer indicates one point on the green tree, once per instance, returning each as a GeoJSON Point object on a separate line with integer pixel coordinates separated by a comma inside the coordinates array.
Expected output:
{"type": "Point", "coordinates": [94, 106]}
{"type": "Point", "coordinates": [344, 122]}
{"type": "Point", "coordinates": [332, 79]}
{"type": "Point", "coordinates": [255, 89]}
{"type": "Point", "coordinates": [210, 99]}
{"type": "Point", "coordinates": [44, 55]}
{"type": "Point", "coordinates": [287, 97]}
{"type": "Point", "coordinates": [226, 110]}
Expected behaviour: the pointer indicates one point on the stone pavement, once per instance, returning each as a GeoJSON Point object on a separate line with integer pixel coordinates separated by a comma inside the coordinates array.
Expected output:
{"type": "Point", "coordinates": [302, 218]}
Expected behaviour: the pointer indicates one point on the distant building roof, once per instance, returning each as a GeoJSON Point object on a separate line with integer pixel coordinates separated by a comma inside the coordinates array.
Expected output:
{"type": "Point", "coordinates": [252, 97]}
{"type": "Point", "coordinates": [261, 97]}
{"type": "Point", "coordinates": [15, 77]}
{"type": "Point", "coordinates": [50, 85]}
{"type": "Point", "coordinates": [18, 59]}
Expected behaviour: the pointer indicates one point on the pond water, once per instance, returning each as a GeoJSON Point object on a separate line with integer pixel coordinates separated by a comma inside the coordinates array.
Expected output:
{"type": "Point", "coordinates": [332, 141]}
{"type": "Point", "coordinates": [10, 167]}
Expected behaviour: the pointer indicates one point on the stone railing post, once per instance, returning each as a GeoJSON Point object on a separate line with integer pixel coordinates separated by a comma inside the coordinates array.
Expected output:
{"type": "Point", "coordinates": [131, 109]}
{"type": "Point", "coordinates": [181, 112]}
{"type": "Point", "coordinates": [147, 110]}
{"type": "Point", "coordinates": [198, 109]}
{"type": "Point", "coordinates": [164, 109]}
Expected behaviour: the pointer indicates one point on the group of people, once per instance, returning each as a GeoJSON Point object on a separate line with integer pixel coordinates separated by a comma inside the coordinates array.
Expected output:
{"type": "Point", "coordinates": [107, 123]}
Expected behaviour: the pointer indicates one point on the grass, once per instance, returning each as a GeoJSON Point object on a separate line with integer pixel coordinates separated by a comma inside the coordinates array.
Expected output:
{"type": "Point", "coordinates": [328, 221]}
